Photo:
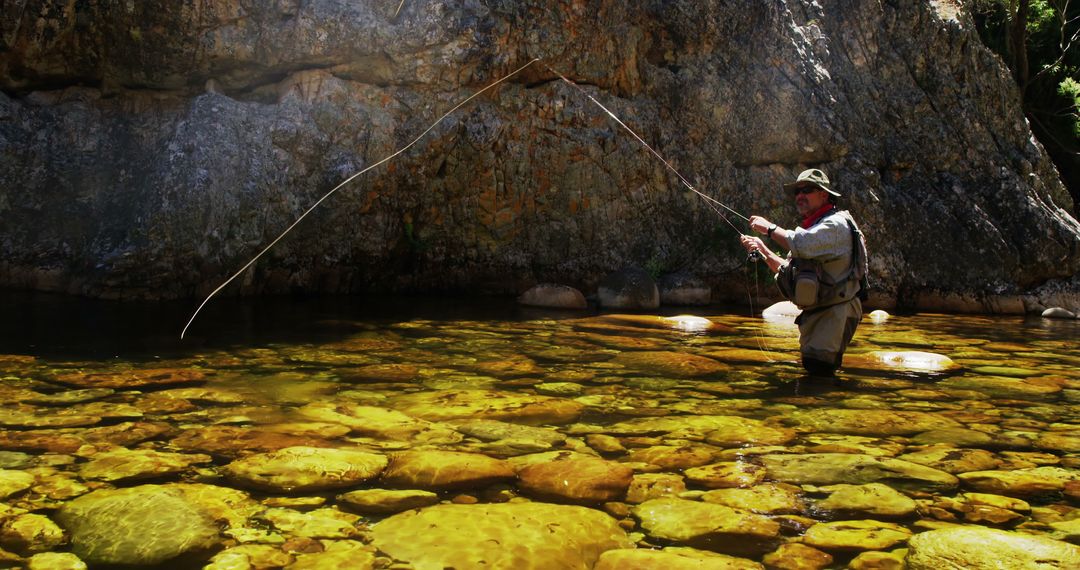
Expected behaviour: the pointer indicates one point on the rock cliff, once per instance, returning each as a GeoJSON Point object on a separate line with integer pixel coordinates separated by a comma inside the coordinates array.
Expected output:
{"type": "Point", "coordinates": [149, 149]}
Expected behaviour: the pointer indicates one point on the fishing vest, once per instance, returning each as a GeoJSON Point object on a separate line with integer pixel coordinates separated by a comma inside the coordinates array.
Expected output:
{"type": "Point", "coordinates": [811, 284]}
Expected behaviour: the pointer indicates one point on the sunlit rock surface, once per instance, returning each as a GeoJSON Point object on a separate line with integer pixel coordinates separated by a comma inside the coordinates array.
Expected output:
{"type": "Point", "coordinates": [306, 469]}
{"type": "Point", "coordinates": [576, 479]}
{"type": "Point", "coordinates": [901, 361]}
{"type": "Point", "coordinates": [387, 501]}
{"type": "Point", "coordinates": [130, 465]}
{"type": "Point", "coordinates": [866, 422]}
{"type": "Point", "coordinates": [855, 535]}
{"type": "Point", "coordinates": [470, 536]}
{"type": "Point", "coordinates": [672, 558]}
{"type": "Point", "coordinates": [485, 404]}
{"type": "Point", "coordinates": [834, 468]}
{"type": "Point", "coordinates": [706, 525]}
{"type": "Point", "coordinates": [435, 470]}
{"type": "Point", "coordinates": [659, 456]}
{"type": "Point", "coordinates": [138, 526]}
{"type": "Point", "coordinates": [973, 548]}
{"type": "Point", "coordinates": [872, 499]}
{"type": "Point", "coordinates": [767, 498]}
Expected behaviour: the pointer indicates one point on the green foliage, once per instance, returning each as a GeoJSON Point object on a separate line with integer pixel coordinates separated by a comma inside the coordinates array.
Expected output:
{"type": "Point", "coordinates": [1070, 88]}
{"type": "Point", "coordinates": [1046, 67]}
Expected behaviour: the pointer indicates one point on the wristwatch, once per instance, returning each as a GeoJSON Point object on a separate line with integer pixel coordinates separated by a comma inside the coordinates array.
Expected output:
{"type": "Point", "coordinates": [771, 230]}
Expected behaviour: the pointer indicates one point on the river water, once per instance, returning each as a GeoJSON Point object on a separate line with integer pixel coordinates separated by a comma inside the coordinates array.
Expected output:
{"type": "Point", "coordinates": [460, 407]}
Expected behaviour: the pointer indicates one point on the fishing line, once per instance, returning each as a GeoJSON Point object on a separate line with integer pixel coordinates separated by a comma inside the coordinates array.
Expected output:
{"type": "Point", "coordinates": [708, 199]}
{"type": "Point", "coordinates": [339, 186]}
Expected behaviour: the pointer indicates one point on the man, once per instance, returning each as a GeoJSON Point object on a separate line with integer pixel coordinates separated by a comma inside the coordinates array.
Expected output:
{"type": "Point", "coordinates": [824, 273]}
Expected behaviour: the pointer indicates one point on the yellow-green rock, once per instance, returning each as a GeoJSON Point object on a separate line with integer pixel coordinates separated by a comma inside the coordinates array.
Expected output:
{"type": "Point", "coordinates": [695, 523]}
{"type": "Point", "coordinates": [672, 559]}
{"type": "Point", "coordinates": [975, 548]}
{"type": "Point", "coordinates": [439, 470]}
{"type": "Point", "coordinates": [305, 469]}
{"type": "Point", "coordinates": [855, 535]}
{"type": "Point", "coordinates": [517, 407]}
{"type": "Point", "coordinates": [522, 536]}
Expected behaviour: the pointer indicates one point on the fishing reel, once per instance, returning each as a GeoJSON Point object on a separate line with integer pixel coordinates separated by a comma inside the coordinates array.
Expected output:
{"type": "Point", "coordinates": [755, 256]}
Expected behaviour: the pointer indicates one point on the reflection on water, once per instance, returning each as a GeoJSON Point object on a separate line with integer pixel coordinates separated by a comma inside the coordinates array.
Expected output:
{"type": "Point", "coordinates": [332, 432]}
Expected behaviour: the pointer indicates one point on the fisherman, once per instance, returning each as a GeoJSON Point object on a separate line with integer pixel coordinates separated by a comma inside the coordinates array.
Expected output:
{"type": "Point", "coordinates": [824, 273]}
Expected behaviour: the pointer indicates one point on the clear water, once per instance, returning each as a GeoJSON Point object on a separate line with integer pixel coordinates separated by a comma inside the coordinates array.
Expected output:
{"type": "Point", "coordinates": [1017, 378]}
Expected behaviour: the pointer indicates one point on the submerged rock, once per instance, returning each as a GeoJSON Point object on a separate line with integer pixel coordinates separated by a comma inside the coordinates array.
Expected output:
{"type": "Point", "coordinates": [797, 556]}
{"type": "Point", "coordinates": [579, 479]}
{"type": "Point", "coordinates": [373, 421]}
{"type": "Point", "coordinates": [677, 364]}
{"type": "Point", "coordinates": [902, 361]}
{"type": "Point", "coordinates": [834, 468]}
{"type": "Point", "coordinates": [441, 405]}
{"type": "Point", "coordinates": [12, 481]}
{"type": "Point", "coordinates": [553, 296]}
{"type": "Point", "coordinates": [974, 548]}
{"type": "Point", "coordinates": [873, 499]}
{"type": "Point", "coordinates": [1002, 387]}
{"type": "Point", "coordinates": [132, 379]}
{"type": "Point", "coordinates": [440, 470]}
{"type": "Point", "coordinates": [855, 535]}
{"type": "Point", "coordinates": [769, 498]}
{"type": "Point", "coordinates": [522, 536]}
{"type": "Point", "coordinates": [706, 525]}
{"type": "Point", "coordinates": [305, 469]}
{"type": "Point", "coordinates": [386, 501]}
{"type": "Point", "coordinates": [30, 533]}
{"type": "Point", "coordinates": [55, 561]}
{"type": "Point", "coordinates": [139, 526]}
{"type": "Point", "coordinates": [630, 288]}
{"type": "Point", "coordinates": [134, 464]}
{"type": "Point", "coordinates": [231, 441]}
{"type": "Point", "coordinates": [868, 422]}
{"type": "Point", "coordinates": [349, 554]}
{"type": "Point", "coordinates": [1020, 482]}
{"type": "Point", "coordinates": [953, 460]}
{"type": "Point", "coordinates": [671, 558]}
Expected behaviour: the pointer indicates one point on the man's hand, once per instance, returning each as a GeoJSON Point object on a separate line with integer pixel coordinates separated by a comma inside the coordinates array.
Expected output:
{"type": "Point", "coordinates": [752, 244]}
{"type": "Point", "coordinates": [760, 224]}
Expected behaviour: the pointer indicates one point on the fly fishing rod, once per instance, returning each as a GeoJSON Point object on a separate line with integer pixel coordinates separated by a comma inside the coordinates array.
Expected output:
{"type": "Point", "coordinates": [709, 200]}
{"type": "Point", "coordinates": [342, 184]}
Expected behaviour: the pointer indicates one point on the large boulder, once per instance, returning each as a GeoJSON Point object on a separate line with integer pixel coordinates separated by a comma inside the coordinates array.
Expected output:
{"type": "Point", "coordinates": [631, 289]}
{"type": "Point", "coordinates": [508, 535]}
{"type": "Point", "coordinates": [138, 526]}
{"type": "Point", "coordinates": [975, 548]}
{"type": "Point", "coordinates": [553, 296]}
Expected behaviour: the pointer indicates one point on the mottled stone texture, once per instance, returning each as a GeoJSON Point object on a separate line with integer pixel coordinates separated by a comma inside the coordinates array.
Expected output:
{"type": "Point", "coordinates": [149, 149]}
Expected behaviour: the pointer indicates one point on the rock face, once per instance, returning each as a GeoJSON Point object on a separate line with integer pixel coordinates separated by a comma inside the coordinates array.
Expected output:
{"type": "Point", "coordinates": [149, 151]}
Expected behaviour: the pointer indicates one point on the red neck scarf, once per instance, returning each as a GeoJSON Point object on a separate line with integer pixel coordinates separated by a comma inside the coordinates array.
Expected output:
{"type": "Point", "coordinates": [816, 215]}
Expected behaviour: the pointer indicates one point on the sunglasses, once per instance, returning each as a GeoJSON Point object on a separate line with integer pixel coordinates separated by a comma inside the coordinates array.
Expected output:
{"type": "Point", "coordinates": [807, 190]}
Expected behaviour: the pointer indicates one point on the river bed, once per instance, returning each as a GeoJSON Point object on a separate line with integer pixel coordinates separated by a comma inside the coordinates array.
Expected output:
{"type": "Point", "coordinates": [431, 433]}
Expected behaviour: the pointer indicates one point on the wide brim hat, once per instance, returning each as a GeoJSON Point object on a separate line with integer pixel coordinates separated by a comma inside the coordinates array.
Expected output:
{"type": "Point", "coordinates": [811, 177]}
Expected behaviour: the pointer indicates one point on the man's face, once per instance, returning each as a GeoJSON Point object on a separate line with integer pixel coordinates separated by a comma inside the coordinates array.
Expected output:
{"type": "Point", "coordinates": [809, 198]}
